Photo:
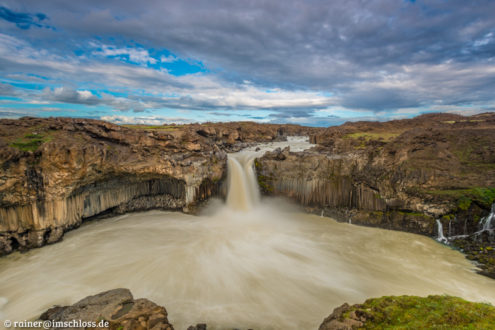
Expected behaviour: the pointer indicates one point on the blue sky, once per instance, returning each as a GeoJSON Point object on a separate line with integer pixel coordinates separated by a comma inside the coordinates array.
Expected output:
{"type": "Point", "coordinates": [309, 62]}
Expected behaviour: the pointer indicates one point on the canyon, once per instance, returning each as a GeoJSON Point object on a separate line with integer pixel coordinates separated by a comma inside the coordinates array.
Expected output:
{"type": "Point", "coordinates": [56, 173]}
{"type": "Point", "coordinates": [431, 175]}
{"type": "Point", "coordinates": [404, 175]}
{"type": "Point", "coordinates": [417, 175]}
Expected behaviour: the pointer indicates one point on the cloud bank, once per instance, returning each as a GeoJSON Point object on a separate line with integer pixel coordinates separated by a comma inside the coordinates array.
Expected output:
{"type": "Point", "coordinates": [313, 62]}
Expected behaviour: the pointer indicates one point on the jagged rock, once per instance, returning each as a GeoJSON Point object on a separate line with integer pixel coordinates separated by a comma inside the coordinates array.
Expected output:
{"type": "Point", "coordinates": [336, 321]}
{"type": "Point", "coordinates": [118, 307]}
{"type": "Point", "coordinates": [199, 326]}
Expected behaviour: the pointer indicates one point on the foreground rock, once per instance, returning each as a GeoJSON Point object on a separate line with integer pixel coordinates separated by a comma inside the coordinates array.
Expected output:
{"type": "Point", "coordinates": [116, 308]}
{"type": "Point", "coordinates": [57, 172]}
{"type": "Point", "coordinates": [411, 312]}
{"type": "Point", "coordinates": [401, 175]}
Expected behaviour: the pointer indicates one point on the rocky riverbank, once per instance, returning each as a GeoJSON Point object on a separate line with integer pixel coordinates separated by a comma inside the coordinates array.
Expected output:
{"type": "Point", "coordinates": [411, 312]}
{"type": "Point", "coordinates": [401, 175]}
{"type": "Point", "coordinates": [57, 172]}
{"type": "Point", "coordinates": [117, 309]}
{"type": "Point", "coordinates": [114, 309]}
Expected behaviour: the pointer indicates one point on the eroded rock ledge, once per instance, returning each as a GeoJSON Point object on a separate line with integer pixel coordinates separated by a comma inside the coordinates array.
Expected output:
{"type": "Point", "coordinates": [402, 175]}
{"type": "Point", "coordinates": [57, 172]}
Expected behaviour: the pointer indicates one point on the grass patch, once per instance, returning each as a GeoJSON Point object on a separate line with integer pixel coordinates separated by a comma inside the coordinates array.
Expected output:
{"type": "Point", "coordinates": [384, 136]}
{"type": "Point", "coordinates": [31, 141]}
{"type": "Point", "coordinates": [464, 197]}
{"type": "Point", "coordinates": [432, 312]}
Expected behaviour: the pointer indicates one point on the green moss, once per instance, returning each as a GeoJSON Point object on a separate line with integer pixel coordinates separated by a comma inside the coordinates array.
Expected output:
{"type": "Point", "coordinates": [464, 197]}
{"type": "Point", "coordinates": [464, 203]}
{"type": "Point", "coordinates": [448, 217]}
{"type": "Point", "coordinates": [414, 214]}
{"type": "Point", "coordinates": [432, 312]}
{"type": "Point", "coordinates": [367, 136]}
{"type": "Point", "coordinates": [263, 182]}
{"type": "Point", "coordinates": [31, 141]}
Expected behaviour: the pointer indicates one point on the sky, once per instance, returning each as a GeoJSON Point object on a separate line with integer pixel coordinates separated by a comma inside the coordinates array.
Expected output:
{"type": "Point", "coordinates": [311, 62]}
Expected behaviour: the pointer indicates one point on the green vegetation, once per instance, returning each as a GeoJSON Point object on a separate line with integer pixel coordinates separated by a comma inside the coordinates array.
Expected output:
{"type": "Point", "coordinates": [385, 136]}
{"type": "Point", "coordinates": [414, 214]}
{"type": "Point", "coordinates": [31, 141]}
{"type": "Point", "coordinates": [263, 181]}
{"type": "Point", "coordinates": [448, 217]}
{"type": "Point", "coordinates": [432, 312]}
{"type": "Point", "coordinates": [464, 197]}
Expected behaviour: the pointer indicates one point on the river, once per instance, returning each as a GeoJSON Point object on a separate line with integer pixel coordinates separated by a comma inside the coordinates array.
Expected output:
{"type": "Point", "coordinates": [246, 262]}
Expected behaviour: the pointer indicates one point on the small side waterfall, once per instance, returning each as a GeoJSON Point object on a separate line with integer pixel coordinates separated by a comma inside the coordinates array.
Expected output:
{"type": "Point", "coordinates": [486, 222]}
{"type": "Point", "coordinates": [243, 192]}
{"type": "Point", "coordinates": [440, 237]}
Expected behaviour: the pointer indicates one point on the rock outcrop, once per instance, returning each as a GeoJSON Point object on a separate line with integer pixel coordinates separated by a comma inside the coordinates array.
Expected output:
{"type": "Point", "coordinates": [401, 175]}
{"type": "Point", "coordinates": [57, 172]}
{"type": "Point", "coordinates": [114, 309]}
{"type": "Point", "coordinates": [411, 312]}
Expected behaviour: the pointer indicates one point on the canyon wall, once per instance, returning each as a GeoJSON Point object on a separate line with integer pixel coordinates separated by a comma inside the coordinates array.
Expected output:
{"type": "Point", "coordinates": [402, 175]}
{"type": "Point", "coordinates": [56, 173]}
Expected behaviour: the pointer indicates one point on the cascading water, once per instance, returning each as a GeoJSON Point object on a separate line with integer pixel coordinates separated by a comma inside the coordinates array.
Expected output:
{"type": "Point", "coordinates": [248, 263]}
{"type": "Point", "coordinates": [486, 223]}
{"type": "Point", "coordinates": [440, 237]}
{"type": "Point", "coordinates": [243, 193]}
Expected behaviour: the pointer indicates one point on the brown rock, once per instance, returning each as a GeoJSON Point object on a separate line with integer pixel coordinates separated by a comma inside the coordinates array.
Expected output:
{"type": "Point", "coordinates": [115, 306]}
{"type": "Point", "coordinates": [336, 321]}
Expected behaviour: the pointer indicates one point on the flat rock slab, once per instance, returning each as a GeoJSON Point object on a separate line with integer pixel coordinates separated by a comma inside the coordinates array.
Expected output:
{"type": "Point", "coordinates": [117, 306]}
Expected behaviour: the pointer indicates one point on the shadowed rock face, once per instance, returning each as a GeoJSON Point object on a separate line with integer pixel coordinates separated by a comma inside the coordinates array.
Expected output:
{"type": "Point", "coordinates": [117, 307]}
{"type": "Point", "coordinates": [56, 172]}
{"type": "Point", "coordinates": [400, 175]}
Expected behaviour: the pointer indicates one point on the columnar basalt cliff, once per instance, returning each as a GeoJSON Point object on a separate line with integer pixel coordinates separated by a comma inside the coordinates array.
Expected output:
{"type": "Point", "coordinates": [401, 175]}
{"type": "Point", "coordinates": [56, 172]}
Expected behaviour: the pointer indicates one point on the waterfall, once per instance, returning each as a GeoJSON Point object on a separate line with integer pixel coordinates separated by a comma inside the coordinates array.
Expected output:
{"type": "Point", "coordinates": [486, 222]}
{"type": "Point", "coordinates": [440, 237]}
{"type": "Point", "coordinates": [243, 192]}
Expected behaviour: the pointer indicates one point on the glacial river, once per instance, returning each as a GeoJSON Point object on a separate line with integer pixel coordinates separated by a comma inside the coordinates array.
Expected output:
{"type": "Point", "coordinates": [245, 263]}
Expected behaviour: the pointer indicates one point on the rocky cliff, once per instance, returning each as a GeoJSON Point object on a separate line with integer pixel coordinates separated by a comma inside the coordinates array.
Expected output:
{"type": "Point", "coordinates": [57, 172]}
{"type": "Point", "coordinates": [401, 175]}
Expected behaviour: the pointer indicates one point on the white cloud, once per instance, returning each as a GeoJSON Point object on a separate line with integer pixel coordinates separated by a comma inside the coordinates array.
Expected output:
{"type": "Point", "coordinates": [168, 59]}
{"type": "Point", "coordinates": [136, 55]}
{"type": "Point", "coordinates": [151, 120]}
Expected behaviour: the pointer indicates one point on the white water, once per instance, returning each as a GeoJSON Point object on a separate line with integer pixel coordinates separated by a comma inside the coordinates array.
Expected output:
{"type": "Point", "coordinates": [486, 223]}
{"type": "Point", "coordinates": [249, 263]}
{"type": "Point", "coordinates": [440, 237]}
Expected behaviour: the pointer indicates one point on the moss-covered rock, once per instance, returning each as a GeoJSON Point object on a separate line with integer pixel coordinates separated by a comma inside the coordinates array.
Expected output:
{"type": "Point", "coordinates": [412, 312]}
